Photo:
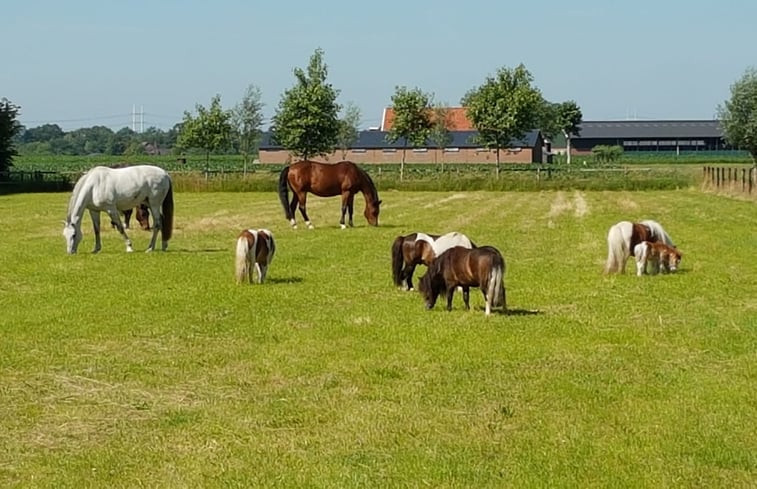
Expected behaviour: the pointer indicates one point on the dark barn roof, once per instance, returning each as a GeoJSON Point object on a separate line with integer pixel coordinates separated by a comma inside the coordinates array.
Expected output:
{"type": "Point", "coordinates": [650, 129]}
{"type": "Point", "coordinates": [377, 140]}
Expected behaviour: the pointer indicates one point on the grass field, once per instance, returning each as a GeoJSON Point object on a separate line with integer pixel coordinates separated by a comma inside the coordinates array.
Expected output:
{"type": "Point", "coordinates": [156, 370]}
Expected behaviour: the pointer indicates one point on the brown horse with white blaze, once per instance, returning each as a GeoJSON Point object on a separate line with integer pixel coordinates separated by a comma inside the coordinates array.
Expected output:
{"type": "Point", "coordinates": [327, 180]}
{"type": "Point", "coordinates": [482, 267]}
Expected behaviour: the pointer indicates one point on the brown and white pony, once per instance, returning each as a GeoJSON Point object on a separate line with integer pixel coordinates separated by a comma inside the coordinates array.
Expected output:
{"type": "Point", "coordinates": [255, 249]}
{"type": "Point", "coordinates": [662, 257]}
{"type": "Point", "coordinates": [625, 235]}
{"type": "Point", "coordinates": [414, 249]}
{"type": "Point", "coordinates": [481, 267]}
{"type": "Point", "coordinates": [327, 180]}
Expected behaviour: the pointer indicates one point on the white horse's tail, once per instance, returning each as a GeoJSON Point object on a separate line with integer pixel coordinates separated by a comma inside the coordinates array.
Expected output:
{"type": "Point", "coordinates": [658, 232]}
{"type": "Point", "coordinates": [242, 264]}
{"type": "Point", "coordinates": [615, 246]}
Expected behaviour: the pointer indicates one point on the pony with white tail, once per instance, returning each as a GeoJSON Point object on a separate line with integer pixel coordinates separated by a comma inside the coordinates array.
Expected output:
{"type": "Point", "coordinates": [114, 190]}
{"type": "Point", "coordinates": [415, 249]}
{"type": "Point", "coordinates": [623, 237]}
{"type": "Point", "coordinates": [255, 250]}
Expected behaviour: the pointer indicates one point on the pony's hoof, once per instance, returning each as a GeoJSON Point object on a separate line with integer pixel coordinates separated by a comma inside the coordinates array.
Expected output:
{"type": "Point", "coordinates": [343, 226]}
{"type": "Point", "coordinates": [294, 226]}
{"type": "Point", "coordinates": [310, 226]}
{"type": "Point", "coordinates": [129, 249]}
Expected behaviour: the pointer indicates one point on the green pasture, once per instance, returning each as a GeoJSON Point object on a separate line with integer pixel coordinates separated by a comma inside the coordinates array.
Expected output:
{"type": "Point", "coordinates": [156, 370]}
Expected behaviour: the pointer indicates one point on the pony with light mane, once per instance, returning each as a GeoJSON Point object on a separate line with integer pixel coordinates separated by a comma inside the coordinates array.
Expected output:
{"type": "Point", "coordinates": [110, 190]}
{"type": "Point", "coordinates": [255, 249]}
{"type": "Point", "coordinates": [327, 180]}
{"type": "Point", "coordinates": [462, 267]}
{"type": "Point", "coordinates": [415, 249]}
{"type": "Point", "coordinates": [623, 237]}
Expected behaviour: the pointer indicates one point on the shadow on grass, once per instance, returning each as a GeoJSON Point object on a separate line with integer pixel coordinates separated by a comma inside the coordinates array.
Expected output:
{"type": "Point", "coordinates": [284, 280]}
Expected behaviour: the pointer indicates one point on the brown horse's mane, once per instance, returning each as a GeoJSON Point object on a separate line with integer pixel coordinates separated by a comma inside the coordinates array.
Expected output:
{"type": "Point", "coordinates": [371, 186]}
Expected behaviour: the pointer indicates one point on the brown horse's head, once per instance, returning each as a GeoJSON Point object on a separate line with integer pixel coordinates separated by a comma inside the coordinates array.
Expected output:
{"type": "Point", "coordinates": [143, 217]}
{"type": "Point", "coordinates": [432, 284]}
{"type": "Point", "coordinates": [372, 211]}
{"type": "Point", "coordinates": [670, 259]}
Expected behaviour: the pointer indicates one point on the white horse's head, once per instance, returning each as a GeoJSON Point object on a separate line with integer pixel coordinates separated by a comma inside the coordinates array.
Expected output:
{"type": "Point", "coordinates": [72, 235]}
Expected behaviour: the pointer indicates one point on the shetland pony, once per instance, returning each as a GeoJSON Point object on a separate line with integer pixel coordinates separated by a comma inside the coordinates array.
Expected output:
{"type": "Point", "coordinates": [115, 190]}
{"type": "Point", "coordinates": [462, 267]}
{"type": "Point", "coordinates": [327, 180]}
{"type": "Point", "coordinates": [625, 235]}
{"type": "Point", "coordinates": [662, 257]}
{"type": "Point", "coordinates": [255, 249]}
{"type": "Point", "coordinates": [414, 249]}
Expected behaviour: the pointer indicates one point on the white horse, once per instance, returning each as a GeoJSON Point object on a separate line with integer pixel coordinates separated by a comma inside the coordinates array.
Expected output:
{"type": "Point", "coordinates": [625, 235]}
{"type": "Point", "coordinates": [255, 249]}
{"type": "Point", "coordinates": [117, 189]}
{"type": "Point", "coordinates": [420, 248]}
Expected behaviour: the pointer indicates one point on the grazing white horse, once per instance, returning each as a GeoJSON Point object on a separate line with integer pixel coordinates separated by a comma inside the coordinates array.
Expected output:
{"type": "Point", "coordinates": [625, 235]}
{"type": "Point", "coordinates": [114, 190]}
{"type": "Point", "coordinates": [420, 248]}
{"type": "Point", "coordinates": [255, 249]}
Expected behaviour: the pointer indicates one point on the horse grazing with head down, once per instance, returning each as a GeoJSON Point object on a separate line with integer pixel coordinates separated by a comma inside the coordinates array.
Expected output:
{"type": "Point", "coordinates": [114, 191]}
{"type": "Point", "coordinates": [327, 180]}
{"type": "Point", "coordinates": [462, 267]}
{"type": "Point", "coordinates": [623, 237]}
{"type": "Point", "coordinates": [662, 257]}
{"type": "Point", "coordinates": [414, 249]}
{"type": "Point", "coordinates": [255, 249]}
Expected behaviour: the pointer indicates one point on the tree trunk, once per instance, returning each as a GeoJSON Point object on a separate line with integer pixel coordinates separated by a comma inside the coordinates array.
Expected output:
{"type": "Point", "coordinates": [402, 164]}
{"type": "Point", "coordinates": [567, 145]}
{"type": "Point", "coordinates": [496, 169]}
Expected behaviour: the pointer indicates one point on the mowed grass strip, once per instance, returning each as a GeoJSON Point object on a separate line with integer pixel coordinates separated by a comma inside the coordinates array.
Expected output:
{"type": "Point", "coordinates": [157, 370]}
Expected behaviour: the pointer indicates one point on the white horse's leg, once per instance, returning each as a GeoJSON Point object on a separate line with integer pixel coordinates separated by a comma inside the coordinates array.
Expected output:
{"type": "Point", "coordinates": [95, 215]}
{"type": "Point", "coordinates": [260, 271]}
{"type": "Point", "coordinates": [115, 217]}
{"type": "Point", "coordinates": [157, 225]}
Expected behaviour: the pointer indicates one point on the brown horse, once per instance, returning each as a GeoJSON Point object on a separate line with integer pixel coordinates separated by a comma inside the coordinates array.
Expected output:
{"type": "Point", "coordinates": [143, 217]}
{"type": "Point", "coordinates": [623, 237]}
{"type": "Point", "coordinates": [254, 251]}
{"type": "Point", "coordinates": [327, 180]}
{"type": "Point", "coordinates": [462, 267]}
{"type": "Point", "coordinates": [415, 249]}
{"type": "Point", "coordinates": [663, 257]}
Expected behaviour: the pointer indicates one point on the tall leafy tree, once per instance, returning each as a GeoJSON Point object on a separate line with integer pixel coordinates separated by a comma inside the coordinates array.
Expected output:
{"type": "Point", "coordinates": [348, 128]}
{"type": "Point", "coordinates": [306, 122]}
{"type": "Point", "coordinates": [441, 124]}
{"type": "Point", "coordinates": [412, 119]}
{"type": "Point", "coordinates": [564, 118]}
{"type": "Point", "coordinates": [9, 128]}
{"type": "Point", "coordinates": [209, 131]}
{"type": "Point", "coordinates": [738, 115]}
{"type": "Point", "coordinates": [247, 118]}
{"type": "Point", "coordinates": [504, 108]}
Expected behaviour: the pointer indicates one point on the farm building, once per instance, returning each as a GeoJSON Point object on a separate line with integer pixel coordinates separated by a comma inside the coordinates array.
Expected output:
{"type": "Point", "coordinates": [373, 147]}
{"type": "Point", "coordinates": [648, 135]}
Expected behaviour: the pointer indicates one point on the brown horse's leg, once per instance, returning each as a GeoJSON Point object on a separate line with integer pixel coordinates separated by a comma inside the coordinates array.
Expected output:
{"type": "Point", "coordinates": [351, 206]}
{"type": "Point", "coordinates": [345, 201]}
{"type": "Point", "coordinates": [303, 201]}
{"type": "Point", "coordinates": [450, 293]}
{"type": "Point", "coordinates": [127, 218]}
{"type": "Point", "coordinates": [293, 208]}
{"type": "Point", "coordinates": [466, 297]}
{"type": "Point", "coordinates": [407, 275]}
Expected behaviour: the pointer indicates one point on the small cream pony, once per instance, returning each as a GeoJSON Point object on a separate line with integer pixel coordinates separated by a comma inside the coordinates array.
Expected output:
{"type": "Point", "coordinates": [255, 249]}
{"type": "Point", "coordinates": [661, 256]}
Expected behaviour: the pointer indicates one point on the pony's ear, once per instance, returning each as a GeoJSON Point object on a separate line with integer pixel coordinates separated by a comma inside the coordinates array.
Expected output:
{"type": "Point", "coordinates": [380, 201]}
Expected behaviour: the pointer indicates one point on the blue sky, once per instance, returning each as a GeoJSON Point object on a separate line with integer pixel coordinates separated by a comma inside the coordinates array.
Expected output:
{"type": "Point", "coordinates": [84, 63]}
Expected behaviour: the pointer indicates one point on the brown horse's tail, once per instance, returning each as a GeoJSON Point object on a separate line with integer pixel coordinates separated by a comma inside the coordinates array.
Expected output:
{"type": "Point", "coordinates": [284, 192]}
{"type": "Point", "coordinates": [397, 261]}
{"type": "Point", "coordinates": [166, 230]}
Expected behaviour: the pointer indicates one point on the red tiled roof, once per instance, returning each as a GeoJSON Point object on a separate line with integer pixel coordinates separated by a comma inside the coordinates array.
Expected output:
{"type": "Point", "coordinates": [458, 120]}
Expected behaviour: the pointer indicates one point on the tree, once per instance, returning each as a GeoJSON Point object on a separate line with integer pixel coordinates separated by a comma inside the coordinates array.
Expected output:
{"type": "Point", "coordinates": [441, 123]}
{"type": "Point", "coordinates": [247, 118]}
{"type": "Point", "coordinates": [738, 116]}
{"type": "Point", "coordinates": [412, 121]}
{"type": "Point", "coordinates": [9, 128]}
{"type": "Point", "coordinates": [564, 118]}
{"type": "Point", "coordinates": [306, 121]}
{"type": "Point", "coordinates": [348, 128]}
{"type": "Point", "coordinates": [504, 108]}
{"type": "Point", "coordinates": [209, 131]}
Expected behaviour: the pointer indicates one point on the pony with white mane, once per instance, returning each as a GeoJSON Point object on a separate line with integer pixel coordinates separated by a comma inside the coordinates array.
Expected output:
{"type": "Point", "coordinates": [623, 237]}
{"type": "Point", "coordinates": [255, 250]}
{"type": "Point", "coordinates": [420, 248]}
{"type": "Point", "coordinates": [114, 190]}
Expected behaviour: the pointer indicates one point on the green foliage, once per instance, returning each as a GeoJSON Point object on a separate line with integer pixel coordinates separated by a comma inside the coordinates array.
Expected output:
{"type": "Point", "coordinates": [441, 123]}
{"type": "Point", "coordinates": [306, 122]}
{"type": "Point", "coordinates": [348, 127]}
{"type": "Point", "coordinates": [9, 128]}
{"type": "Point", "coordinates": [155, 369]}
{"type": "Point", "coordinates": [247, 119]}
{"type": "Point", "coordinates": [412, 121]}
{"type": "Point", "coordinates": [738, 115]}
{"type": "Point", "coordinates": [210, 130]}
{"type": "Point", "coordinates": [607, 154]}
{"type": "Point", "coordinates": [504, 108]}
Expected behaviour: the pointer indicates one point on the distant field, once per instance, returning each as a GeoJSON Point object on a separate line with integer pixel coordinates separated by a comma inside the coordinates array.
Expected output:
{"type": "Point", "coordinates": [129, 370]}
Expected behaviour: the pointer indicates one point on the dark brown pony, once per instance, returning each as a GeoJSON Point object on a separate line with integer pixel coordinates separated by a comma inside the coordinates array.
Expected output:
{"type": "Point", "coordinates": [327, 180]}
{"type": "Point", "coordinates": [415, 249]}
{"type": "Point", "coordinates": [143, 217]}
{"type": "Point", "coordinates": [481, 267]}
